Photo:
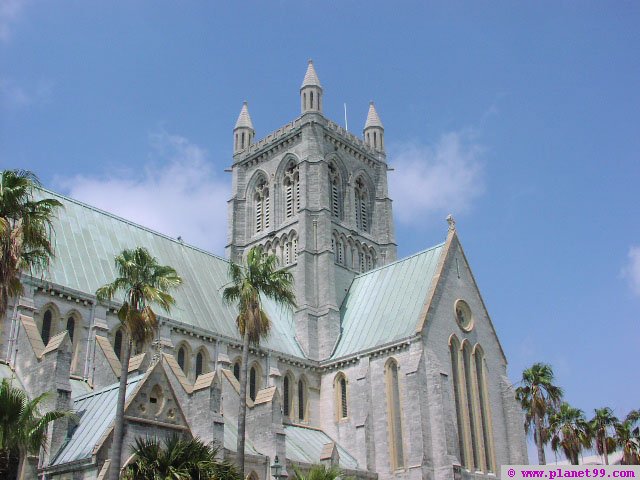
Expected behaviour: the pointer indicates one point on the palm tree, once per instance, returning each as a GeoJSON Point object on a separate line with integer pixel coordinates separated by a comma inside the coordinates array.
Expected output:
{"type": "Point", "coordinates": [569, 431]}
{"type": "Point", "coordinates": [143, 282]}
{"type": "Point", "coordinates": [628, 438]}
{"type": "Point", "coordinates": [318, 472]}
{"type": "Point", "coordinates": [538, 395]}
{"type": "Point", "coordinates": [23, 429]}
{"type": "Point", "coordinates": [258, 277]}
{"type": "Point", "coordinates": [602, 422]}
{"type": "Point", "coordinates": [26, 233]}
{"type": "Point", "coordinates": [178, 459]}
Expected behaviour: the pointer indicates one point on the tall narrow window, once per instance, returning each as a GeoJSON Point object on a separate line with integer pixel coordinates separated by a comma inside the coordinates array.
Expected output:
{"type": "Point", "coordinates": [340, 252]}
{"type": "Point", "coordinates": [294, 248]}
{"type": "Point", "coordinates": [262, 207]}
{"type": "Point", "coordinates": [454, 348]}
{"type": "Point", "coordinates": [253, 382]}
{"type": "Point", "coordinates": [117, 344]}
{"type": "Point", "coordinates": [286, 396]}
{"type": "Point", "coordinates": [394, 415]}
{"type": "Point", "coordinates": [291, 190]}
{"type": "Point", "coordinates": [287, 252]}
{"type": "Point", "coordinates": [340, 385]}
{"type": "Point", "coordinates": [483, 401]}
{"type": "Point", "coordinates": [199, 364]}
{"type": "Point", "coordinates": [361, 258]}
{"type": "Point", "coordinates": [302, 400]}
{"type": "Point", "coordinates": [473, 421]}
{"type": "Point", "coordinates": [46, 326]}
{"type": "Point", "coordinates": [182, 358]}
{"type": "Point", "coordinates": [362, 201]}
{"type": "Point", "coordinates": [336, 200]}
{"type": "Point", "coordinates": [343, 397]}
{"type": "Point", "coordinates": [236, 370]}
{"type": "Point", "coordinates": [71, 327]}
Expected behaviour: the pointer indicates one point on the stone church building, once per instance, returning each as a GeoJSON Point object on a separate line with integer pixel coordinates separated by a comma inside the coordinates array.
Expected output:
{"type": "Point", "coordinates": [387, 368]}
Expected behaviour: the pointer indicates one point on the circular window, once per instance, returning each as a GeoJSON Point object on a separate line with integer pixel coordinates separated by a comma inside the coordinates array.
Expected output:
{"type": "Point", "coordinates": [463, 315]}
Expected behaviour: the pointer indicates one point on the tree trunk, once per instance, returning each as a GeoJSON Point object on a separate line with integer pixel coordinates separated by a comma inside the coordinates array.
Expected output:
{"type": "Point", "coordinates": [242, 411]}
{"type": "Point", "coordinates": [539, 442]}
{"type": "Point", "coordinates": [118, 428]}
{"type": "Point", "coordinates": [604, 447]}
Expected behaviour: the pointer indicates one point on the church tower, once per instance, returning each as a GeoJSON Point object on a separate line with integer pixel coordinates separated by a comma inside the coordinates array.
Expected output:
{"type": "Point", "coordinates": [316, 196]}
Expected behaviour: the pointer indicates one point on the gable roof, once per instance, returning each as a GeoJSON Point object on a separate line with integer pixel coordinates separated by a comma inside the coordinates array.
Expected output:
{"type": "Point", "coordinates": [88, 239]}
{"type": "Point", "coordinates": [306, 445]}
{"type": "Point", "coordinates": [384, 304]}
{"type": "Point", "coordinates": [96, 412]}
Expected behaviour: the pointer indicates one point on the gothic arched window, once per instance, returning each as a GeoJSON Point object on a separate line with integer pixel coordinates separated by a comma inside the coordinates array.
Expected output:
{"type": "Point", "coordinates": [340, 386]}
{"type": "Point", "coordinates": [291, 190]}
{"type": "Point", "coordinates": [71, 327]}
{"type": "Point", "coordinates": [287, 397]}
{"type": "Point", "coordinates": [394, 415]}
{"type": "Point", "coordinates": [47, 320]}
{"type": "Point", "coordinates": [362, 205]}
{"type": "Point", "coordinates": [236, 370]}
{"type": "Point", "coordinates": [302, 400]}
{"type": "Point", "coordinates": [483, 404]}
{"type": "Point", "coordinates": [458, 389]}
{"type": "Point", "coordinates": [261, 206]}
{"type": "Point", "coordinates": [335, 191]}
{"type": "Point", "coordinates": [200, 363]}
{"type": "Point", "coordinates": [183, 358]}
{"type": "Point", "coordinates": [340, 252]}
{"type": "Point", "coordinates": [254, 381]}
{"type": "Point", "coordinates": [469, 374]}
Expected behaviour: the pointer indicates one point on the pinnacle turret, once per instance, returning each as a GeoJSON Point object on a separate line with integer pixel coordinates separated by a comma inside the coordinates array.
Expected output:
{"type": "Point", "coordinates": [373, 129]}
{"type": "Point", "coordinates": [311, 91]}
{"type": "Point", "coordinates": [243, 132]}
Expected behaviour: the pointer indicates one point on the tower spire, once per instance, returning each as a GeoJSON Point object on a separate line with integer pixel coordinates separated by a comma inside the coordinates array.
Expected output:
{"type": "Point", "coordinates": [373, 129]}
{"type": "Point", "coordinates": [311, 91]}
{"type": "Point", "coordinates": [243, 132]}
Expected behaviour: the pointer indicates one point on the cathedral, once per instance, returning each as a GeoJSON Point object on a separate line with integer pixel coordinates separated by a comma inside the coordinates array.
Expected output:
{"type": "Point", "coordinates": [387, 368]}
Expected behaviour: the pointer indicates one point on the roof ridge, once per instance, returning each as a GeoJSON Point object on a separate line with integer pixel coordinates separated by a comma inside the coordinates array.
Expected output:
{"type": "Point", "coordinates": [395, 262]}
{"type": "Point", "coordinates": [130, 222]}
{"type": "Point", "coordinates": [108, 388]}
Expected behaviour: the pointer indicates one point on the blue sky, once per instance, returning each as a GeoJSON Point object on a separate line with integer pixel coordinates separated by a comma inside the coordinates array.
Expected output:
{"type": "Point", "coordinates": [521, 119]}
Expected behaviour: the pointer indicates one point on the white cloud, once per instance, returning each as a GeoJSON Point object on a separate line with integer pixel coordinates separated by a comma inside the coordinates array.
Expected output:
{"type": "Point", "coordinates": [17, 96]}
{"type": "Point", "coordinates": [178, 193]}
{"type": "Point", "coordinates": [10, 11]}
{"type": "Point", "coordinates": [431, 181]}
{"type": "Point", "coordinates": [632, 270]}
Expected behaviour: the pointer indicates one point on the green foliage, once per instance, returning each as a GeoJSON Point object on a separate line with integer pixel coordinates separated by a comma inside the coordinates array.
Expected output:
{"type": "Point", "coordinates": [23, 428]}
{"type": "Point", "coordinates": [628, 438]}
{"type": "Point", "coordinates": [26, 233]}
{"type": "Point", "coordinates": [259, 276]}
{"type": "Point", "coordinates": [538, 395]}
{"type": "Point", "coordinates": [602, 424]}
{"type": "Point", "coordinates": [177, 459]}
{"type": "Point", "coordinates": [569, 431]}
{"type": "Point", "coordinates": [317, 472]}
{"type": "Point", "coordinates": [143, 282]}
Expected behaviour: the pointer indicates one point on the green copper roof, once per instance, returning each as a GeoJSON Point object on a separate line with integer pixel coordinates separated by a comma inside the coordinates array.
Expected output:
{"type": "Point", "coordinates": [305, 445]}
{"type": "Point", "coordinates": [384, 305]}
{"type": "Point", "coordinates": [96, 412]}
{"type": "Point", "coordinates": [88, 239]}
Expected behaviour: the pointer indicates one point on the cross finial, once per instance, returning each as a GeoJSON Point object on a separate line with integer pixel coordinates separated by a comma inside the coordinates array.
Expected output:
{"type": "Point", "coordinates": [451, 221]}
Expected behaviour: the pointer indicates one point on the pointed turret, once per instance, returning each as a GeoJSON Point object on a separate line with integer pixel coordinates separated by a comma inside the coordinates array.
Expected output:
{"type": "Point", "coordinates": [373, 129]}
{"type": "Point", "coordinates": [243, 132]}
{"type": "Point", "coordinates": [311, 91]}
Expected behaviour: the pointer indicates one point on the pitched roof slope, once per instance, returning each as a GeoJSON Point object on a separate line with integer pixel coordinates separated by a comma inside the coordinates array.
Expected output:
{"type": "Point", "coordinates": [383, 305]}
{"type": "Point", "coordinates": [96, 412]}
{"type": "Point", "coordinates": [88, 239]}
{"type": "Point", "coordinates": [305, 445]}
